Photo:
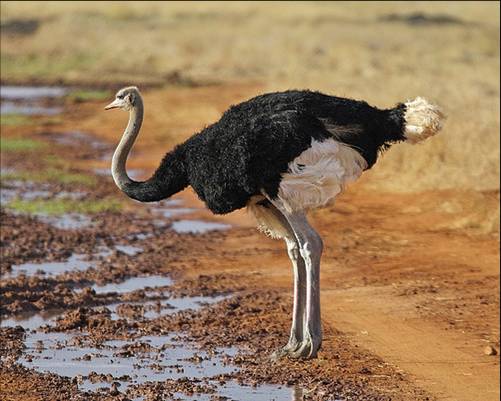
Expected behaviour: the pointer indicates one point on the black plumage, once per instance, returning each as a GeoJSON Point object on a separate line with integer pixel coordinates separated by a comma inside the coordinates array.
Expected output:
{"type": "Point", "coordinates": [249, 148]}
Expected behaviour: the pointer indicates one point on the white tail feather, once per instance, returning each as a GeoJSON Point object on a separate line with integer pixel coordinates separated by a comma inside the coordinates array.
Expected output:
{"type": "Point", "coordinates": [422, 120]}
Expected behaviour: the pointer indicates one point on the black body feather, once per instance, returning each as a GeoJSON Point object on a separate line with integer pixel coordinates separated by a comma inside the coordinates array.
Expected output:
{"type": "Point", "coordinates": [249, 148]}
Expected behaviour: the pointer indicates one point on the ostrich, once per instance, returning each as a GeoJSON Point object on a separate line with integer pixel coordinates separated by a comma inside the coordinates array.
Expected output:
{"type": "Point", "coordinates": [280, 155]}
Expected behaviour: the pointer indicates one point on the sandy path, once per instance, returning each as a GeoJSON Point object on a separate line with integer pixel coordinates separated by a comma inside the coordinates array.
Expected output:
{"type": "Point", "coordinates": [448, 364]}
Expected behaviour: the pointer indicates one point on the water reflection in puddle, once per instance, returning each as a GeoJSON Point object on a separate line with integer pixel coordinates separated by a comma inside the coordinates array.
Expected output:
{"type": "Point", "coordinates": [23, 190]}
{"type": "Point", "coordinates": [139, 236]}
{"type": "Point", "coordinates": [264, 392]}
{"type": "Point", "coordinates": [74, 263]}
{"type": "Point", "coordinates": [69, 221]}
{"type": "Point", "coordinates": [129, 249]}
{"type": "Point", "coordinates": [145, 359]}
{"type": "Point", "coordinates": [12, 92]}
{"type": "Point", "coordinates": [28, 109]}
{"type": "Point", "coordinates": [197, 226]}
{"type": "Point", "coordinates": [156, 309]}
{"type": "Point", "coordinates": [157, 358]}
{"type": "Point", "coordinates": [133, 173]}
{"type": "Point", "coordinates": [77, 138]}
{"type": "Point", "coordinates": [151, 310]}
{"type": "Point", "coordinates": [133, 284]}
{"type": "Point", "coordinates": [9, 193]}
{"type": "Point", "coordinates": [169, 212]}
{"type": "Point", "coordinates": [32, 321]}
{"type": "Point", "coordinates": [71, 195]}
{"type": "Point", "coordinates": [148, 358]}
{"type": "Point", "coordinates": [26, 100]}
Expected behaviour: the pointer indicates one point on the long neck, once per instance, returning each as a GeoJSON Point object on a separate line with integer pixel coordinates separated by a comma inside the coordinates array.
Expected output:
{"type": "Point", "coordinates": [168, 179]}
{"type": "Point", "coordinates": [119, 160]}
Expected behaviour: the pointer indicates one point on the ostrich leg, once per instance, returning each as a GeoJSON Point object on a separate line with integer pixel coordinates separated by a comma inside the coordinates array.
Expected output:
{"type": "Point", "coordinates": [310, 249]}
{"type": "Point", "coordinates": [298, 312]}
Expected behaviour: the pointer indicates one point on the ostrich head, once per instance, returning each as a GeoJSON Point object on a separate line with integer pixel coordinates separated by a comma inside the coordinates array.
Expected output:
{"type": "Point", "coordinates": [125, 99]}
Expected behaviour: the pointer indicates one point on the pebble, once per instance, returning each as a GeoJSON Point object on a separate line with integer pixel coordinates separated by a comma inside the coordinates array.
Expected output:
{"type": "Point", "coordinates": [491, 351]}
{"type": "Point", "coordinates": [114, 389]}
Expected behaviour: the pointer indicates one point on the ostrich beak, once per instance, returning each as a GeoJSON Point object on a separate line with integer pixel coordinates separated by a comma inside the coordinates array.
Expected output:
{"type": "Point", "coordinates": [115, 104]}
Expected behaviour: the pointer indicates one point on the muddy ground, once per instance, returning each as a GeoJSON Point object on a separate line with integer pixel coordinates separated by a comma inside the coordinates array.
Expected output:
{"type": "Point", "coordinates": [410, 301]}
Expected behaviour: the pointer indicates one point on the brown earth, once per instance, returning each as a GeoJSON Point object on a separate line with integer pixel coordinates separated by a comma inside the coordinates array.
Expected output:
{"type": "Point", "coordinates": [410, 289]}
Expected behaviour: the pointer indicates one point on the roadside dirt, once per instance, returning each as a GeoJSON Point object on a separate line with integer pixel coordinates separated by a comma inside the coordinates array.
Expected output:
{"type": "Point", "coordinates": [409, 300]}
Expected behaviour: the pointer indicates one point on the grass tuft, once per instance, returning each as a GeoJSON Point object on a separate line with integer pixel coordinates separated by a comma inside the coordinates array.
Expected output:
{"type": "Point", "coordinates": [14, 120]}
{"type": "Point", "coordinates": [52, 175]}
{"type": "Point", "coordinates": [63, 206]}
{"type": "Point", "coordinates": [20, 145]}
{"type": "Point", "coordinates": [83, 95]}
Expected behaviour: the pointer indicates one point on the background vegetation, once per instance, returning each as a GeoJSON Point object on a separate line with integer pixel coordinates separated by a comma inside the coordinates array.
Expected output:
{"type": "Point", "coordinates": [377, 51]}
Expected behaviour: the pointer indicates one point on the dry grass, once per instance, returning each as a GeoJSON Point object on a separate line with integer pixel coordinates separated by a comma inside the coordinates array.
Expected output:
{"type": "Point", "coordinates": [340, 48]}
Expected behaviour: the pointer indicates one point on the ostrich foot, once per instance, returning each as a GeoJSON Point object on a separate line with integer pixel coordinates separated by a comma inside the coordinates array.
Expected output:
{"type": "Point", "coordinates": [282, 352]}
{"type": "Point", "coordinates": [307, 349]}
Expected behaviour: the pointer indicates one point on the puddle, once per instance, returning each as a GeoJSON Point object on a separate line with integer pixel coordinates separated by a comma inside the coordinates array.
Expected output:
{"type": "Point", "coordinates": [156, 309]}
{"type": "Point", "coordinates": [171, 208]}
{"type": "Point", "coordinates": [197, 226]}
{"type": "Point", "coordinates": [133, 284]}
{"type": "Point", "coordinates": [191, 303]}
{"type": "Point", "coordinates": [152, 310]}
{"type": "Point", "coordinates": [7, 195]}
{"type": "Point", "coordinates": [36, 194]}
{"type": "Point", "coordinates": [135, 174]}
{"type": "Point", "coordinates": [71, 195]}
{"type": "Point", "coordinates": [232, 391]}
{"type": "Point", "coordinates": [157, 358]}
{"type": "Point", "coordinates": [28, 190]}
{"type": "Point", "coordinates": [28, 109]}
{"type": "Point", "coordinates": [169, 213]}
{"type": "Point", "coordinates": [20, 185]}
{"type": "Point", "coordinates": [264, 392]}
{"type": "Point", "coordinates": [160, 358]}
{"type": "Point", "coordinates": [11, 92]}
{"type": "Point", "coordinates": [77, 138]}
{"type": "Point", "coordinates": [129, 249]}
{"type": "Point", "coordinates": [26, 100]}
{"type": "Point", "coordinates": [74, 263]}
{"type": "Point", "coordinates": [69, 221]}
{"type": "Point", "coordinates": [7, 170]}
{"type": "Point", "coordinates": [170, 203]}
{"type": "Point", "coordinates": [32, 321]}
{"type": "Point", "coordinates": [139, 236]}
{"type": "Point", "coordinates": [13, 191]}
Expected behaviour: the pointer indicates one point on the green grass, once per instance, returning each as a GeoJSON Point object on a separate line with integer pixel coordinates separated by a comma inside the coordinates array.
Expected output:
{"type": "Point", "coordinates": [52, 175]}
{"type": "Point", "coordinates": [62, 206]}
{"type": "Point", "coordinates": [44, 66]}
{"type": "Point", "coordinates": [14, 119]}
{"type": "Point", "coordinates": [20, 145]}
{"type": "Point", "coordinates": [83, 95]}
